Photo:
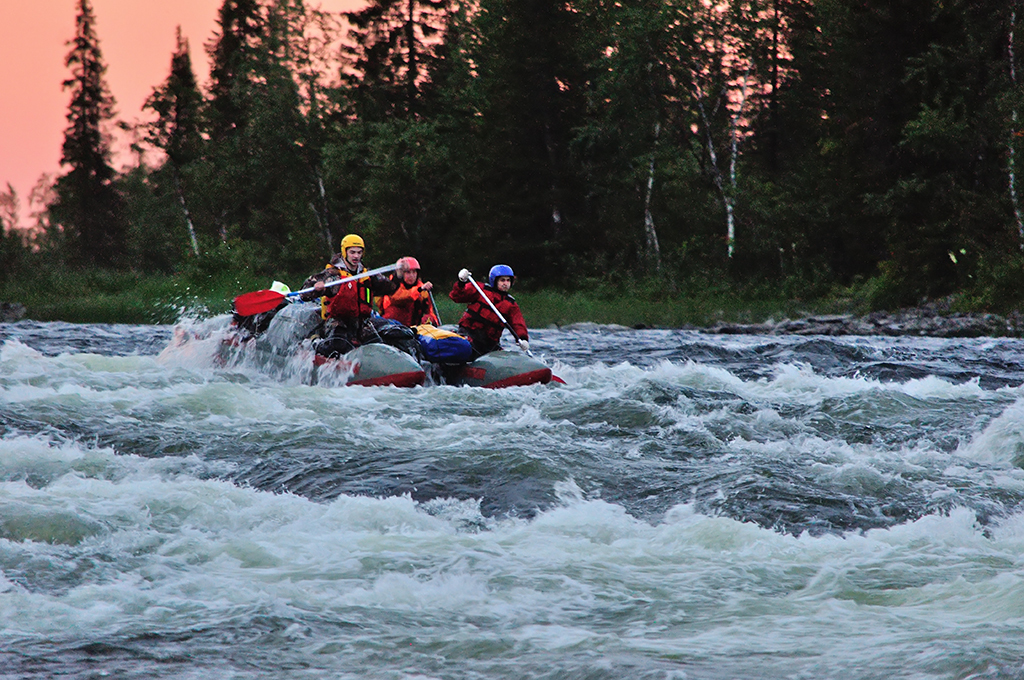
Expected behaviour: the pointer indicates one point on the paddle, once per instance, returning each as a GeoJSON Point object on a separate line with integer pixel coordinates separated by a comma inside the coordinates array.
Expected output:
{"type": "Point", "coordinates": [261, 301]}
{"type": "Point", "coordinates": [437, 312]}
{"type": "Point", "coordinates": [507, 324]}
{"type": "Point", "coordinates": [500, 317]}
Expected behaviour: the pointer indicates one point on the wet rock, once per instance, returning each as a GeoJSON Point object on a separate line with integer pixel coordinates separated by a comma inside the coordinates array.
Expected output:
{"type": "Point", "coordinates": [589, 326]}
{"type": "Point", "coordinates": [932, 321]}
{"type": "Point", "coordinates": [11, 311]}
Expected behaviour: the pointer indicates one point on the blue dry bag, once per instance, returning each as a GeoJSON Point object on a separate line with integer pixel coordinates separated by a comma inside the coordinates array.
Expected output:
{"type": "Point", "coordinates": [443, 346]}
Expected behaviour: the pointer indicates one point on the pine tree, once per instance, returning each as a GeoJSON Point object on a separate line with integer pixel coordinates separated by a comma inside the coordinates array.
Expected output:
{"type": "Point", "coordinates": [11, 236]}
{"type": "Point", "coordinates": [88, 207]}
{"type": "Point", "coordinates": [177, 130]}
{"type": "Point", "coordinates": [394, 44]}
{"type": "Point", "coordinates": [233, 55]}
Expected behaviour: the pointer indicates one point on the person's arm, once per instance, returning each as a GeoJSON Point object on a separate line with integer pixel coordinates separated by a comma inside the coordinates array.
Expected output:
{"type": "Point", "coordinates": [382, 284]}
{"type": "Point", "coordinates": [321, 276]}
{"type": "Point", "coordinates": [516, 320]}
{"type": "Point", "coordinates": [403, 297]}
{"type": "Point", "coordinates": [463, 292]}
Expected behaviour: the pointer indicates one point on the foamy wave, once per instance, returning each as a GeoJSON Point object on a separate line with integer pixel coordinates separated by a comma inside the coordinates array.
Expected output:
{"type": "Point", "coordinates": [1002, 440]}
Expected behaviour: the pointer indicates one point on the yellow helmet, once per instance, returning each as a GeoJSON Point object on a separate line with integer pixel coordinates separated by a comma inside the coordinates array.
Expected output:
{"type": "Point", "coordinates": [351, 241]}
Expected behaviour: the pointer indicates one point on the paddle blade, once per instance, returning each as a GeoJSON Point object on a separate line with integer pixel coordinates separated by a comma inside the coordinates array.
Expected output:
{"type": "Point", "coordinates": [257, 302]}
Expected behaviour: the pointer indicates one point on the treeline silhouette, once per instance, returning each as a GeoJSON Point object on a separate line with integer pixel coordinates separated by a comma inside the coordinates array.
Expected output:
{"type": "Point", "coordinates": [795, 144]}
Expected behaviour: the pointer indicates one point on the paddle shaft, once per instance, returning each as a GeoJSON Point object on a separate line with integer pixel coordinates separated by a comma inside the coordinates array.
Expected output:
{"type": "Point", "coordinates": [495, 310]}
{"type": "Point", "coordinates": [437, 312]}
{"type": "Point", "coordinates": [261, 301]}
{"type": "Point", "coordinates": [361, 275]}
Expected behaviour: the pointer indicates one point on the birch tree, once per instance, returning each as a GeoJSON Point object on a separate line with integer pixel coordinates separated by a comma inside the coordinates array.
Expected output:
{"type": "Point", "coordinates": [629, 103]}
{"type": "Point", "coordinates": [723, 73]}
{"type": "Point", "coordinates": [1011, 145]}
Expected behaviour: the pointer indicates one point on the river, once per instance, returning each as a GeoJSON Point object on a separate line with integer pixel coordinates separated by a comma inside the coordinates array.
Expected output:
{"type": "Point", "coordinates": [685, 506]}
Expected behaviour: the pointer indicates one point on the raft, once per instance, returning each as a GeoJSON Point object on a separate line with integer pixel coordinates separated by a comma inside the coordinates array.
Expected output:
{"type": "Point", "coordinates": [498, 369]}
{"type": "Point", "coordinates": [279, 341]}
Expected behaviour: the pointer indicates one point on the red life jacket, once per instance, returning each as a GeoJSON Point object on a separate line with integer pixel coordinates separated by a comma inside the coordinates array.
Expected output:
{"type": "Point", "coordinates": [409, 305]}
{"type": "Point", "coordinates": [480, 317]}
{"type": "Point", "coordinates": [353, 299]}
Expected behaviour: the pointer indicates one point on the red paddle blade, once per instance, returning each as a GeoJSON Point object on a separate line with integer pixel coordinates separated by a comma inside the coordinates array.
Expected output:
{"type": "Point", "coordinates": [555, 378]}
{"type": "Point", "coordinates": [257, 302]}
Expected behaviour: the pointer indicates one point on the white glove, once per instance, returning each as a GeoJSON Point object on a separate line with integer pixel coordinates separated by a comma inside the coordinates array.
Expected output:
{"type": "Point", "coordinates": [524, 345]}
{"type": "Point", "coordinates": [463, 275]}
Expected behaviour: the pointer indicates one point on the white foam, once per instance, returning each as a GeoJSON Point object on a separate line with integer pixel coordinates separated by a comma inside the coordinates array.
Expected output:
{"type": "Point", "coordinates": [1002, 439]}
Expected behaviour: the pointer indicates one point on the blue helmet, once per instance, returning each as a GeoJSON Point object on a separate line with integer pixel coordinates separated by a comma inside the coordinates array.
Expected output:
{"type": "Point", "coordinates": [499, 270]}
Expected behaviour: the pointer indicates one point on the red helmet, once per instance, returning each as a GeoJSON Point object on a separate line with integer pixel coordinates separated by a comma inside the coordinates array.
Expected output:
{"type": "Point", "coordinates": [409, 263]}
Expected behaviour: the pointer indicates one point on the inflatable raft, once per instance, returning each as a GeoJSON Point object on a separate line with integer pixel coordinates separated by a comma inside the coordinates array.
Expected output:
{"type": "Point", "coordinates": [280, 341]}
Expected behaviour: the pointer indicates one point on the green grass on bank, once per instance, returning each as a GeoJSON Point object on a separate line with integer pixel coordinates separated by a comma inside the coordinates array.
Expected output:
{"type": "Point", "coordinates": [546, 308]}
{"type": "Point", "coordinates": [105, 297]}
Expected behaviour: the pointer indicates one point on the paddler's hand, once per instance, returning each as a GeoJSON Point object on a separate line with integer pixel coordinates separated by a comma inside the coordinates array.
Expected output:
{"type": "Point", "coordinates": [427, 286]}
{"type": "Point", "coordinates": [464, 275]}
{"type": "Point", "coordinates": [318, 286]}
{"type": "Point", "coordinates": [524, 345]}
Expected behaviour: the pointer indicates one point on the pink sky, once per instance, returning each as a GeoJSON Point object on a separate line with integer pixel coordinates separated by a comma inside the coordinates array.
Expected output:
{"type": "Point", "coordinates": [137, 39]}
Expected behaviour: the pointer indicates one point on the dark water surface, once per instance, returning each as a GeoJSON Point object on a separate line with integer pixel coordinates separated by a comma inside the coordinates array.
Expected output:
{"type": "Point", "coordinates": [685, 506]}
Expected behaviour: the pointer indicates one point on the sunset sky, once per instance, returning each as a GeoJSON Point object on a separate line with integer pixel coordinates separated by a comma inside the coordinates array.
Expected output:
{"type": "Point", "coordinates": [136, 38]}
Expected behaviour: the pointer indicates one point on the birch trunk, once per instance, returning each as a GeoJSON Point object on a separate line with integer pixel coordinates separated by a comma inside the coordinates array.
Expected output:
{"type": "Point", "coordinates": [728, 194]}
{"type": "Point", "coordinates": [716, 174]}
{"type": "Point", "coordinates": [323, 217]}
{"type": "Point", "coordinates": [653, 249]}
{"type": "Point", "coordinates": [184, 209]}
{"type": "Point", "coordinates": [734, 148]}
{"type": "Point", "coordinates": [1011, 163]}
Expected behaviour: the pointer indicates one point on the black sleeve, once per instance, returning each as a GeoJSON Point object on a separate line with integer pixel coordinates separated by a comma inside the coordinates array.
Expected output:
{"type": "Point", "coordinates": [383, 285]}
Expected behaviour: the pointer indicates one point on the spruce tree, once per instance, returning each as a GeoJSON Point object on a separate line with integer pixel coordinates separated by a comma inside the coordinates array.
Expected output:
{"type": "Point", "coordinates": [88, 208]}
{"type": "Point", "coordinates": [177, 129]}
{"type": "Point", "coordinates": [178, 105]}
{"type": "Point", "coordinates": [949, 211]}
{"type": "Point", "coordinates": [11, 236]}
{"type": "Point", "coordinates": [233, 55]}
{"type": "Point", "coordinates": [261, 184]}
{"type": "Point", "coordinates": [394, 44]}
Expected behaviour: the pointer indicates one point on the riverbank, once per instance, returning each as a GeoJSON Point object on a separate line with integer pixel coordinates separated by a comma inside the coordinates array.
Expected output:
{"type": "Point", "coordinates": [153, 299]}
{"type": "Point", "coordinates": [928, 321]}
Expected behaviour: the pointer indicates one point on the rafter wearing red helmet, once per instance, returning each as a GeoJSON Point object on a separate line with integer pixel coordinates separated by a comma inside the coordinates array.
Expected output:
{"type": "Point", "coordinates": [410, 303]}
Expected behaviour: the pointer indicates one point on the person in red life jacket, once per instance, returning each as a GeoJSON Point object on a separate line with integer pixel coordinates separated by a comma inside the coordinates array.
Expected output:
{"type": "Point", "coordinates": [348, 306]}
{"type": "Point", "coordinates": [332, 271]}
{"type": "Point", "coordinates": [410, 304]}
{"type": "Point", "coordinates": [479, 323]}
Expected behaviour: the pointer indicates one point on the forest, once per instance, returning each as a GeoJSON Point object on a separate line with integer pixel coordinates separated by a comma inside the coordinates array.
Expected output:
{"type": "Point", "coordinates": [794, 145]}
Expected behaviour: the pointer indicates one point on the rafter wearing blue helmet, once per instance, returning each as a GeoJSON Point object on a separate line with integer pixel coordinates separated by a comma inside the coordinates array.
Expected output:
{"type": "Point", "coordinates": [500, 270]}
{"type": "Point", "coordinates": [479, 323]}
